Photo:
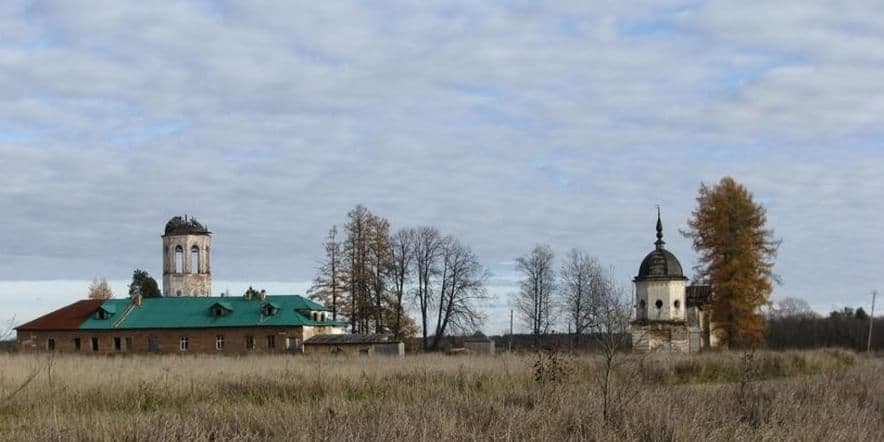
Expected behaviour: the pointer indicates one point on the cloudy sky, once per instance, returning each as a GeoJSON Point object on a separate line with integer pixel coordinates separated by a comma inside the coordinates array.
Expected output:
{"type": "Point", "coordinates": [503, 123]}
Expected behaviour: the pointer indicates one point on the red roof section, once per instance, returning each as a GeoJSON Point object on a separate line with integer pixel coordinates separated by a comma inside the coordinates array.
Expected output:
{"type": "Point", "coordinates": [65, 318]}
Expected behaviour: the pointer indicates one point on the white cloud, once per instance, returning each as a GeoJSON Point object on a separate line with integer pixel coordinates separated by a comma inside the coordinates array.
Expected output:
{"type": "Point", "coordinates": [560, 122]}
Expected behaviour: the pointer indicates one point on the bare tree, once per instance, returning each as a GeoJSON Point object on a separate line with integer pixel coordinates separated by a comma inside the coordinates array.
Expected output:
{"type": "Point", "coordinates": [611, 314]}
{"type": "Point", "coordinates": [793, 307]}
{"type": "Point", "coordinates": [328, 286]}
{"type": "Point", "coordinates": [581, 278]}
{"type": "Point", "coordinates": [355, 257]}
{"type": "Point", "coordinates": [534, 299]}
{"type": "Point", "coordinates": [379, 262]}
{"type": "Point", "coordinates": [462, 284]}
{"type": "Point", "coordinates": [100, 289]}
{"type": "Point", "coordinates": [427, 252]}
{"type": "Point", "coordinates": [401, 257]}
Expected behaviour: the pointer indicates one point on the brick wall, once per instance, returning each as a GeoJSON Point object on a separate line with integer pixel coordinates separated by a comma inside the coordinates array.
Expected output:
{"type": "Point", "coordinates": [167, 341]}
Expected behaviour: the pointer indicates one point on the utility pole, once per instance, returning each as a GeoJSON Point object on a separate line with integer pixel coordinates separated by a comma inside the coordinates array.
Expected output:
{"type": "Point", "coordinates": [511, 331]}
{"type": "Point", "coordinates": [871, 321]}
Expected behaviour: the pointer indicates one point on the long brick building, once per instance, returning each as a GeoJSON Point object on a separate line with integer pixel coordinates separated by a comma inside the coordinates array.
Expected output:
{"type": "Point", "coordinates": [186, 319]}
{"type": "Point", "coordinates": [238, 325]}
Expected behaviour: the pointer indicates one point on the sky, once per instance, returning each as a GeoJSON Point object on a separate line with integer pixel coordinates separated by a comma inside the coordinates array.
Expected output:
{"type": "Point", "coordinates": [505, 124]}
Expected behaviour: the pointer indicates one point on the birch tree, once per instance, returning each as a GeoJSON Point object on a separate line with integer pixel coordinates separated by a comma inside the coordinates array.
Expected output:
{"type": "Point", "coordinates": [427, 251]}
{"type": "Point", "coordinates": [534, 301]}
{"type": "Point", "coordinates": [402, 246]}
{"type": "Point", "coordinates": [580, 279]}
{"type": "Point", "coordinates": [100, 289]}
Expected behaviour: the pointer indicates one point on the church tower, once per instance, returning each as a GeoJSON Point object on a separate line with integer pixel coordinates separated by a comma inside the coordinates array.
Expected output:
{"type": "Point", "coordinates": [660, 288]}
{"type": "Point", "coordinates": [187, 269]}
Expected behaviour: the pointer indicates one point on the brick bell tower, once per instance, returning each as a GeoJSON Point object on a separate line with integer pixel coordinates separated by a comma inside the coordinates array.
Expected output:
{"type": "Point", "coordinates": [187, 269]}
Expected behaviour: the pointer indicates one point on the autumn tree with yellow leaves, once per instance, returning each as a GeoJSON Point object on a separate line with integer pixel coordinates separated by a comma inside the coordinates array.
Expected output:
{"type": "Point", "coordinates": [736, 256]}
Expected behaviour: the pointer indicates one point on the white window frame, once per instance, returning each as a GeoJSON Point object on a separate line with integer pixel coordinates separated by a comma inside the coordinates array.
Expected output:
{"type": "Point", "coordinates": [184, 343]}
{"type": "Point", "coordinates": [219, 342]}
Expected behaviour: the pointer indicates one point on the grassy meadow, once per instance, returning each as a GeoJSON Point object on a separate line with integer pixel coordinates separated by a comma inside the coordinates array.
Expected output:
{"type": "Point", "coordinates": [807, 396]}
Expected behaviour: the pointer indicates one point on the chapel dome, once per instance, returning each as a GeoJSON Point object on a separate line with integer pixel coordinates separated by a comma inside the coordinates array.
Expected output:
{"type": "Point", "coordinates": [660, 263]}
{"type": "Point", "coordinates": [184, 226]}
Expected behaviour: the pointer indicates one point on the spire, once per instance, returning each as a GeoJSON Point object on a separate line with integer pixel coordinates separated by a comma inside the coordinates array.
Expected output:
{"type": "Point", "coordinates": [660, 241]}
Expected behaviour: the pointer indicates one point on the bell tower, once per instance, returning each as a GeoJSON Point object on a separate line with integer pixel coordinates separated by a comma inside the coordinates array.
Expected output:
{"type": "Point", "coordinates": [187, 268]}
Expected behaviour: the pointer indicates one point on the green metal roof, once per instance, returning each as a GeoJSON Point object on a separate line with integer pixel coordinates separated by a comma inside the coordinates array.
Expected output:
{"type": "Point", "coordinates": [195, 312]}
{"type": "Point", "coordinates": [110, 308]}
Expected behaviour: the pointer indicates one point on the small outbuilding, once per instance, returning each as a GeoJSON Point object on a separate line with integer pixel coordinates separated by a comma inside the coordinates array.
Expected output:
{"type": "Point", "coordinates": [373, 344]}
{"type": "Point", "coordinates": [478, 343]}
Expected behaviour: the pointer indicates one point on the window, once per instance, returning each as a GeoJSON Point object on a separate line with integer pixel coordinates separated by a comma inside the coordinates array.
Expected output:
{"type": "Point", "coordinates": [659, 304]}
{"type": "Point", "coordinates": [676, 303]}
{"type": "Point", "coordinates": [50, 344]}
{"type": "Point", "coordinates": [250, 342]}
{"type": "Point", "coordinates": [118, 345]}
{"type": "Point", "coordinates": [128, 342]}
{"type": "Point", "coordinates": [183, 343]}
{"type": "Point", "coordinates": [153, 344]}
{"type": "Point", "coordinates": [94, 344]}
{"type": "Point", "coordinates": [179, 259]}
{"type": "Point", "coordinates": [271, 341]}
{"type": "Point", "coordinates": [219, 342]}
{"type": "Point", "coordinates": [642, 303]}
{"type": "Point", "coordinates": [194, 259]}
{"type": "Point", "coordinates": [269, 310]}
{"type": "Point", "coordinates": [77, 344]}
{"type": "Point", "coordinates": [177, 292]}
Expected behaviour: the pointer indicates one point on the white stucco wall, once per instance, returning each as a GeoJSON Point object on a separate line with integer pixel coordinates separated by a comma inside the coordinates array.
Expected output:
{"type": "Point", "coordinates": [668, 292]}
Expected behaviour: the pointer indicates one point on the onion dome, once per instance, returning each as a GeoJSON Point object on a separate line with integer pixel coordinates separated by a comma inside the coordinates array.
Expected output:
{"type": "Point", "coordinates": [660, 264]}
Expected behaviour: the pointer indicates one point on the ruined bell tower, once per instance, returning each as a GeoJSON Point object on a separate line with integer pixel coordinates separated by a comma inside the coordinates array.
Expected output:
{"type": "Point", "coordinates": [187, 269]}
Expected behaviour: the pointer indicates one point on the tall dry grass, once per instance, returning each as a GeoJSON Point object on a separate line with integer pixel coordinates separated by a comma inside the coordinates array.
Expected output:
{"type": "Point", "coordinates": [819, 395]}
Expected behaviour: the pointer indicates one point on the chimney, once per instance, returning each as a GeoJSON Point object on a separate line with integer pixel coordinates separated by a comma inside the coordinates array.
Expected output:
{"type": "Point", "coordinates": [136, 299]}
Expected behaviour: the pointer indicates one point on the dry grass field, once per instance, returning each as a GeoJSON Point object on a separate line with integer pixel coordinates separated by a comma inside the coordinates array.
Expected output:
{"type": "Point", "coordinates": [818, 395]}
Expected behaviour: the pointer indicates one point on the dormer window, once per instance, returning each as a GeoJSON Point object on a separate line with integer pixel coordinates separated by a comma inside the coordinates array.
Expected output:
{"type": "Point", "coordinates": [221, 309]}
{"type": "Point", "coordinates": [269, 309]}
{"type": "Point", "coordinates": [104, 312]}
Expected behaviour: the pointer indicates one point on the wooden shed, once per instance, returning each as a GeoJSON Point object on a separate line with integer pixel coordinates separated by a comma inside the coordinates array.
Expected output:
{"type": "Point", "coordinates": [373, 344]}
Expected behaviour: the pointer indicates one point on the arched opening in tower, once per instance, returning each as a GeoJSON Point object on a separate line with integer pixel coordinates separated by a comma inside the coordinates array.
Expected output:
{"type": "Point", "coordinates": [179, 259]}
{"type": "Point", "coordinates": [194, 260]}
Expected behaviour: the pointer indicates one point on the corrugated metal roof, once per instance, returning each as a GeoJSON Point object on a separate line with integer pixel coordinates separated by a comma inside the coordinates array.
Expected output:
{"type": "Point", "coordinates": [348, 339]}
{"type": "Point", "coordinates": [66, 318]}
{"type": "Point", "coordinates": [698, 295]}
{"type": "Point", "coordinates": [195, 312]}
